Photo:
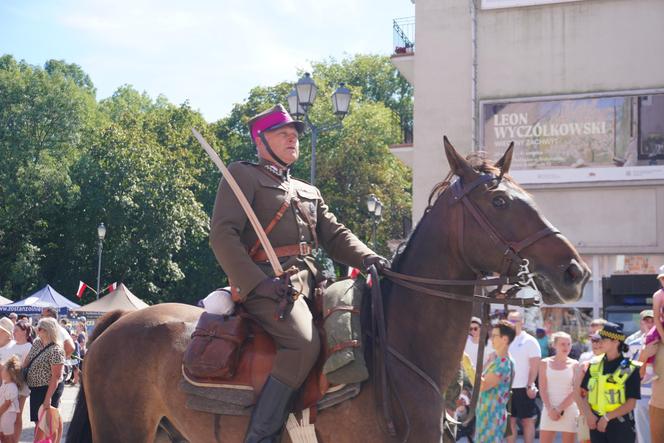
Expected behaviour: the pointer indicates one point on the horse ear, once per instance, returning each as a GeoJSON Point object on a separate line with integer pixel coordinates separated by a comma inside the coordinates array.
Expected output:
{"type": "Point", "coordinates": [458, 164]}
{"type": "Point", "coordinates": [506, 160]}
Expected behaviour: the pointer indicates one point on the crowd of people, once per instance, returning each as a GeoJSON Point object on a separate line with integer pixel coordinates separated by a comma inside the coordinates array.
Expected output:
{"type": "Point", "coordinates": [33, 359]}
{"type": "Point", "coordinates": [612, 392]}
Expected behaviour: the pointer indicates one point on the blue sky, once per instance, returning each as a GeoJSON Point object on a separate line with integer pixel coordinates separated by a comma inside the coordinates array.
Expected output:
{"type": "Point", "coordinates": [209, 52]}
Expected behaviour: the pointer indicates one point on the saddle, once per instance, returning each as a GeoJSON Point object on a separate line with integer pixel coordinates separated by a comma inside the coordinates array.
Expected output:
{"type": "Point", "coordinates": [234, 353]}
{"type": "Point", "coordinates": [247, 367]}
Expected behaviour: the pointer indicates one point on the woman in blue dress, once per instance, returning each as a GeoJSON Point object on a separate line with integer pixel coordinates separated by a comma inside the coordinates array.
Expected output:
{"type": "Point", "coordinates": [491, 412]}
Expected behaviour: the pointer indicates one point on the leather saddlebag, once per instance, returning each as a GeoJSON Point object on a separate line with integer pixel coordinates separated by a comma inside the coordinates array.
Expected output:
{"type": "Point", "coordinates": [216, 345]}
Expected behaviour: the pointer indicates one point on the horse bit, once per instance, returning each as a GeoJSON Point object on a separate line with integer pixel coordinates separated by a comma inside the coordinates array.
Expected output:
{"type": "Point", "coordinates": [511, 255]}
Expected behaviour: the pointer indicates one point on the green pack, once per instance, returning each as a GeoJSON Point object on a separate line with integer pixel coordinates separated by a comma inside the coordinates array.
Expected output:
{"type": "Point", "coordinates": [347, 365]}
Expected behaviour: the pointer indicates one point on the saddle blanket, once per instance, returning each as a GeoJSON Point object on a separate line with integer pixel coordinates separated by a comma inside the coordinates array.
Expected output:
{"type": "Point", "coordinates": [239, 400]}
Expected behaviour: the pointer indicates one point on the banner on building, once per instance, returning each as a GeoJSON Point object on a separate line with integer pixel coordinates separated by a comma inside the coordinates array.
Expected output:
{"type": "Point", "coordinates": [496, 4]}
{"type": "Point", "coordinates": [578, 137]}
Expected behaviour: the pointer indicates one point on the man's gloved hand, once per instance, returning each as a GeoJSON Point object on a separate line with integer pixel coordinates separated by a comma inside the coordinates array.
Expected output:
{"type": "Point", "coordinates": [381, 263]}
{"type": "Point", "coordinates": [274, 288]}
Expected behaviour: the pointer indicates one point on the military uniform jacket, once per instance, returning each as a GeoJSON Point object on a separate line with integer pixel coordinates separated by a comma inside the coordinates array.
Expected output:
{"type": "Point", "coordinates": [231, 233]}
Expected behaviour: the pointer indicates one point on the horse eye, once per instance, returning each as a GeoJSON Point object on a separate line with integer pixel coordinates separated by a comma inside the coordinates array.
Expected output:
{"type": "Point", "coordinates": [499, 202]}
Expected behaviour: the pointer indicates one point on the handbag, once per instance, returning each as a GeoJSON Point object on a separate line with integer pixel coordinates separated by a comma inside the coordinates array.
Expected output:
{"type": "Point", "coordinates": [24, 371]}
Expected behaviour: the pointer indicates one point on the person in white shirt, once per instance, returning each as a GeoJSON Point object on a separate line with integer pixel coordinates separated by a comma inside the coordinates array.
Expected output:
{"type": "Point", "coordinates": [65, 338]}
{"type": "Point", "coordinates": [526, 353]}
{"type": "Point", "coordinates": [473, 342]}
{"type": "Point", "coordinates": [6, 339]}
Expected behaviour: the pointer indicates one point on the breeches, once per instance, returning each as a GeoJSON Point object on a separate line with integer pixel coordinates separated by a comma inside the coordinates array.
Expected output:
{"type": "Point", "coordinates": [296, 337]}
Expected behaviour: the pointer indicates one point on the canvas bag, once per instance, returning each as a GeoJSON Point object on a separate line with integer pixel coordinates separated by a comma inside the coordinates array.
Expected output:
{"type": "Point", "coordinates": [346, 364]}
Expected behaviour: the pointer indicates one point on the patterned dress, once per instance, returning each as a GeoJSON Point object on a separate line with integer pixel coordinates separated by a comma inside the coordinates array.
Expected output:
{"type": "Point", "coordinates": [491, 412]}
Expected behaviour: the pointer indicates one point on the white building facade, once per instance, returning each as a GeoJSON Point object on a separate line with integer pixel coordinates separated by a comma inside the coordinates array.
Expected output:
{"type": "Point", "coordinates": [579, 87]}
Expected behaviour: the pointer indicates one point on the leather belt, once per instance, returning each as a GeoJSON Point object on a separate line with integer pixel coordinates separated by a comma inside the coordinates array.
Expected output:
{"type": "Point", "coordinates": [284, 251]}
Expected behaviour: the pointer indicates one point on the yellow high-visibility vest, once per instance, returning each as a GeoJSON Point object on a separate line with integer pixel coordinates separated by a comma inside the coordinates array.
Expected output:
{"type": "Point", "coordinates": [606, 392]}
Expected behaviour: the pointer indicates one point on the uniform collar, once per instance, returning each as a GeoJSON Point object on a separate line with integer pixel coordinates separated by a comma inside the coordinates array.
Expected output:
{"type": "Point", "coordinates": [277, 170]}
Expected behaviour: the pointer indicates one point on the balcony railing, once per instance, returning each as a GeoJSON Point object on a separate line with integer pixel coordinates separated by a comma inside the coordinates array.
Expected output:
{"type": "Point", "coordinates": [404, 35]}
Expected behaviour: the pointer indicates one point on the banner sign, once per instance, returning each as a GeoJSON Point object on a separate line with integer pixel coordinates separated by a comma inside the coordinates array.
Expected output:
{"type": "Point", "coordinates": [561, 133]}
{"type": "Point", "coordinates": [496, 4]}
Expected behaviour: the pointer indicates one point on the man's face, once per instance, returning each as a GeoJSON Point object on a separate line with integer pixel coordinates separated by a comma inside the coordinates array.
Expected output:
{"type": "Point", "coordinates": [646, 324]}
{"type": "Point", "coordinates": [284, 143]}
{"type": "Point", "coordinates": [498, 341]}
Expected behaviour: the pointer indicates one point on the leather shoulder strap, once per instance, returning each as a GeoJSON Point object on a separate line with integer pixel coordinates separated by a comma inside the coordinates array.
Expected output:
{"type": "Point", "coordinates": [277, 217]}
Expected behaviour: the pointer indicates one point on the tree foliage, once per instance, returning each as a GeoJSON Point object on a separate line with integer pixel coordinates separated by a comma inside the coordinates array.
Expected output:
{"type": "Point", "coordinates": [130, 161]}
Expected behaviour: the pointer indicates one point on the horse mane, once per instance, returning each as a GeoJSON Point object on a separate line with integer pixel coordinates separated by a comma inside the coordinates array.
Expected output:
{"type": "Point", "coordinates": [480, 164]}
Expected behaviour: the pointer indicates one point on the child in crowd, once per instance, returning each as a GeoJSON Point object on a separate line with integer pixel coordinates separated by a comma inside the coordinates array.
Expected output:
{"type": "Point", "coordinates": [657, 332]}
{"type": "Point", "coordinates": [11, 381]}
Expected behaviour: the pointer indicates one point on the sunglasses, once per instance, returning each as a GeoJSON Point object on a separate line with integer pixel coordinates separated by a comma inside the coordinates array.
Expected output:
{"type": "Point", "coordinates": [474, 328]}
{"type": "Point", "coordinates": [595, 340]}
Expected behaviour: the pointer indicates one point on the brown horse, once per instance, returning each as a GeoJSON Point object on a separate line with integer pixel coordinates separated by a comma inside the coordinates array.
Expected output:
{"type": "Point", "coordinates": [133, 366]}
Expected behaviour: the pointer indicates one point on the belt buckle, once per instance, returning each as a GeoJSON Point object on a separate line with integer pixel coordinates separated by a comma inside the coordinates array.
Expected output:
{"type": "Point", "coordinates": [304, 248]}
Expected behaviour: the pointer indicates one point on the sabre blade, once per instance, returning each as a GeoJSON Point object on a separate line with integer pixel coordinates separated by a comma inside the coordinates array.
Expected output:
{"type": "Point", "coordinates": [260, 232]}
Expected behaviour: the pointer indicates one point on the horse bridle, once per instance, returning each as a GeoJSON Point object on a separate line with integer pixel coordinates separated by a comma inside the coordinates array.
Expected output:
{"type": "Point", "coordinates": [511, 254]}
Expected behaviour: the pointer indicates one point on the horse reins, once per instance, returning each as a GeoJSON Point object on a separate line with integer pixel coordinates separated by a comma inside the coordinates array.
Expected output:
{"type": "Point", "coordinates": [511, 254]}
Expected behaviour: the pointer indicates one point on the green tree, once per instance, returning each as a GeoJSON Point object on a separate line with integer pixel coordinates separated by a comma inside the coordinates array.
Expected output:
{"type": "Point", "coordinates": [44, 116]}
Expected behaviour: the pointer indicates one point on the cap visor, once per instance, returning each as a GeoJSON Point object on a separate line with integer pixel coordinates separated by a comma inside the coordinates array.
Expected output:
{"type": "Point", "coordinates": [299, 126]}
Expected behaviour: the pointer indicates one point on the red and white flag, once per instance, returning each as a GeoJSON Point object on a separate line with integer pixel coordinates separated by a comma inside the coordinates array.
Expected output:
{"type": "Point", "coordinates": [112, 287]}
{"type": "Point", "coordinates": [353, 272]}
{"type": "Point", "coordinates": [81, 289]}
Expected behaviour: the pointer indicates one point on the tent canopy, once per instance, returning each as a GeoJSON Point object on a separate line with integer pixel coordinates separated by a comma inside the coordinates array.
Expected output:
{"type": "Point", "coordinates": [121, 298]}
{"type": "Point", "coordinates": [5, 301]}
{"type": "Point", "coordinates": [45, 297]}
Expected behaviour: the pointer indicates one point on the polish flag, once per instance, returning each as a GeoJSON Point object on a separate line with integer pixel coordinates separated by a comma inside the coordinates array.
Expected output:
{"type": "Point", "coordinates": [81, 289]}
{"type": "Point", "coordinates": [112, 287]}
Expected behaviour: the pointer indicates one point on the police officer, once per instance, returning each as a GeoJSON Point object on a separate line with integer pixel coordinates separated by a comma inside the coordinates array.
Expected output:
{"type": "Point", "coordinates": [613, 386]}
{"type": "Point", "coordinates": [298, 222]}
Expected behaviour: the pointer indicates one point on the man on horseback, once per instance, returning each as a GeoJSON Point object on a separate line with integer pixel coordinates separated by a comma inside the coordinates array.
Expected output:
{"type": "Point", "coordinates": [298, 222]}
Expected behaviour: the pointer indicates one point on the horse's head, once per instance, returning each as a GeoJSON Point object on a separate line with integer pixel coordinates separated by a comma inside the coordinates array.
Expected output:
{"type": "Point", "coordinates": [498, 215]}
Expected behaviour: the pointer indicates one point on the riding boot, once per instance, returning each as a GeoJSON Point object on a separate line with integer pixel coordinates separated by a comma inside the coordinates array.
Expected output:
{"type": "Point", "coordinates": [270, 412]}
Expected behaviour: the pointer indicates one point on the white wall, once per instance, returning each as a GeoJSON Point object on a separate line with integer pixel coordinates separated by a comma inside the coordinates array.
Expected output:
{"type": "Point", "coordinates": [568, 48]}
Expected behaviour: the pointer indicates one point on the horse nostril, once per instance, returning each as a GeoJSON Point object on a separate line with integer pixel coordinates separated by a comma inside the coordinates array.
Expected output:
{"type": "Point", "coordinates": [574, 273]}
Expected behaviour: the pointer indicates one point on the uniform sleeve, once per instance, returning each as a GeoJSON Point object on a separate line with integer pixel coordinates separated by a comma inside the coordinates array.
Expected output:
{"type": "Point", "coordinates": [633, 385]}
{"type": "Point", "coordinates": [339, 242]}
{"type": "Point", "coordinates": [226, 226]}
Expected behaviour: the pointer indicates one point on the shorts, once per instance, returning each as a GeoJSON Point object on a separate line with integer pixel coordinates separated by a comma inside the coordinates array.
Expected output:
{"type": "Point", "coordinates": [37, 396]}
{"type": "Point", "coordinates": [522, 405]}
{"type": "Point", "coordinates": [7, 422]}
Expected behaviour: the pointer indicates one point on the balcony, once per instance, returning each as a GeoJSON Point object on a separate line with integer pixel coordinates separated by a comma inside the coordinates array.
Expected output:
{"type": "Point", "coordinates": [403, 38]}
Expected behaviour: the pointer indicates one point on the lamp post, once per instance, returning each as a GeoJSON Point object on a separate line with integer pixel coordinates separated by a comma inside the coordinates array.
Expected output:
{"type": "Point", "coordinates": [300, 101]}
{"type": "Point", "coordinates": [375, 208]}
{"type": "Point", "coordinates": [101, 233]}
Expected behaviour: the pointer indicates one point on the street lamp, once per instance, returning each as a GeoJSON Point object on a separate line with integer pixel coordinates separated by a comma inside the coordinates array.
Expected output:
{"type": "Point", "coordinates": [375, 208]}
{"type": "Point", "coordinates": [300, 101]}
{"type": "Point", "coordinates": [101, 233]}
